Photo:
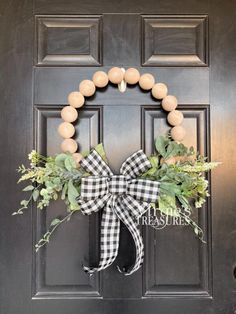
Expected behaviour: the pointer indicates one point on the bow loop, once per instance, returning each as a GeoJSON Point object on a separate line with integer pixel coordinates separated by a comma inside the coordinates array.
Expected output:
{"type": "Point", "coordinates": [135, 165]}
{"type": "Point", "coordinates": [95, 165]}
{"type": "Point", "coordinates": [93, 205]}
{"type": "Point", "coordinates": [93, 187]}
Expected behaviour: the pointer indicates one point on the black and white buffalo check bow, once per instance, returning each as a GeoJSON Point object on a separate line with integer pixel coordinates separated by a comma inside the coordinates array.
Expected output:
{"type": "Point", "coordinates": [122, 197]}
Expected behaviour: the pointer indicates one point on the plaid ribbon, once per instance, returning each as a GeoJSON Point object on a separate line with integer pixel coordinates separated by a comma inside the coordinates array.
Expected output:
{"type": "Point", "coordinates": [122, 197]}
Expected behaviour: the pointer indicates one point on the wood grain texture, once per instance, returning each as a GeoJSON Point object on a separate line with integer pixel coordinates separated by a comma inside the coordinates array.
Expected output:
{"type": "Point", "coordinates": [163, 277]}
{"type": "Point", "coordinates": [107, 6]}
{"type": "Point", "coordinates": [189, 85]}
{"type": "Point", "coordinates": [54, 274]}
{"type": "Point", "coordinates": [174, 40]}
{"type": "Point", "coordinates": [68, 40]}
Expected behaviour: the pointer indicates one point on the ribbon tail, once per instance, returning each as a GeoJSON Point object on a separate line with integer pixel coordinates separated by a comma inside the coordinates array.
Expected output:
{"type": "Point", "coordinates": [127, 218]}
{"type": "Point", "coordinates": [109, 239]}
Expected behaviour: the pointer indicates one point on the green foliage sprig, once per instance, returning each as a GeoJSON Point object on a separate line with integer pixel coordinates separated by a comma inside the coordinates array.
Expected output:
{"type": "Point", "coordinates": [52, 178]}
{"type": "Point", "coordinates": [177, 168]}
{"type": "Point", "coordinates": [182, 181]}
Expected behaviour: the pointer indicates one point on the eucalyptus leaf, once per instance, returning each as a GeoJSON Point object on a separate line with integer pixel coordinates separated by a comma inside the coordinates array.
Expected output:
{"type": "Point", "coordinates": [182, 149]}
{"type": "Point", "coordinates": [172, 150]}
{"type": "Point", "coordinates": [70, 163]}
{"type": "Point", "coordinates": [55, 222]}
{"type": "Point", "coordinates": [35, 195]}
{"type": "Point", "coordinates": [170, 188]}
{"type": "Point", "coordinates": [72, 193]}
{"type": "Point", "coordinates": [152, 171]}
{"type": "Point", "coordinates": [100, 150]}
{"type": "Point", "coordinates": [167, 205]}
{"type": "Point", "coordinates": [60, 160]}
{"type": "Point", "coordinates": [28, 188]}
{"type": "Point", "coordinates": [85, 153]}
{"type": "Point", "coordinates": [160, 144]}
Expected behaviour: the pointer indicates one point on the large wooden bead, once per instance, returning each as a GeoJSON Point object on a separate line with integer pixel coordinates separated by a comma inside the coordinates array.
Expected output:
{"type": "Point", "coordinates": [169, 103]}
{"type": "Point", "coordinates": [69, 114]}
{"type": "Point", "coordinates": [115, 75]}
{"type": "Point", "coordinates": [87, 88]}
{"type": "Point", "coordinates": [77, 158]}
{"type": "Point", "coordinates": [175, 117]}
{"type": "Point", "coordinates": [159, 91]}
{"type": "Point", "coordinates": [100, 79]}
{"type": "Point", "coordinates": [66, 130]}
{"type": "Point", "coordinates": [76, 99]}
{"type": "Point", "coordinates": [132, 76]}
{"type": "Point", "coordinates": [178, 133]}
{"type": "Point", "coordinates": [146, 81]}
{"type": "Point", "coordinates": [69, 145]}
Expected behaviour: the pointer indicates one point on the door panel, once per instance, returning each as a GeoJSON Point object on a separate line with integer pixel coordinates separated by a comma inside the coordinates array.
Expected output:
{"type": "Point", "coordinates": [55, 274]}
{"type": "Point", "coordinates": [47, 49]}
{"type": "Point", "coordinates": [57, 37]}
{"type": "Point", "coordinates": [164, 272]}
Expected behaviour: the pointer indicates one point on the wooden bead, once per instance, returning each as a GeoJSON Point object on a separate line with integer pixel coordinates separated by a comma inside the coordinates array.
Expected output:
{"type": "Point", "coordinates": [76, 99]}
{"type": "Point", "coordinates": [69, 145]}
{"type": "Point", "coordinates": [146, 81]}
{"type": "Point", "coordinates": [100, 79]}
{"type": "Point", "coordinates": [69, 114]}
{"type": "Point", "coordinates": [87, 88]}
{"type": "Point", "coordinates": [132, 76]}
{"type": "Point", "coordinates": [175, 117]}
{"type": "Point", "coordinates": [159, 91]}
{"type": "Point", "coordinates": [66, 130]}
{"type": "Point", "coordinates": [115, 75]}
{"type": "Point", "coordinates": [77, 158]}
{"type": "Point", "coordinates": [169, 103]}
{"type": "Point", "coordinates": [178, 133]}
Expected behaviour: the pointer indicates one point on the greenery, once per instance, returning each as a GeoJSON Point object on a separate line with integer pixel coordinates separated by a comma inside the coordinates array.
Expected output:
{"type": "Point", "coordinates": [182, 181]}
{"type": "Point", "coordinates": [52, 178]}
{"type": "Point", "coordinates": [177, 168]}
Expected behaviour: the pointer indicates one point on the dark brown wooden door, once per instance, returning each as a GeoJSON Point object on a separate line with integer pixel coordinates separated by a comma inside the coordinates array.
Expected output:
{"type": "Point", "coordinates": [46, 48]}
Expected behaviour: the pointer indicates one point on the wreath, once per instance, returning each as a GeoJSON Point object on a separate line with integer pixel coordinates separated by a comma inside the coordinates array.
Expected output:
{"type": "Point", "coordinates": [170, 181]}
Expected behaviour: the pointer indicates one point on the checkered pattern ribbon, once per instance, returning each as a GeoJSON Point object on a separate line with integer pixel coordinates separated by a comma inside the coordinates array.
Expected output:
{"type": "Point", "coordinates": [122, 197]}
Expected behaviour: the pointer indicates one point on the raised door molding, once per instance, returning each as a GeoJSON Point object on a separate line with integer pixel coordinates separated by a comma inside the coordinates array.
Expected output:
{"type": "Point", "coordinates": [175, 40]}
{"type": "Point", "coordinates": [68, 40]}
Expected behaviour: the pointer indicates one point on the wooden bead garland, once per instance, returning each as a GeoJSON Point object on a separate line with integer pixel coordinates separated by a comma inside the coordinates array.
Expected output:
{"type": "Point", "coordinates": [146, 81]}
{"type": "Point", "coordinates": [100, 79]}
{"type": "Point", "coordinates": [115, 75]}
{"type": "Point", "coordinates": [76, 99]}
{"type": "Point", "coordinates": [175, 117]}
{"type": "Point", "coordinates": [66, 130]}
{"type": "Point", "coordinates": [69, 114]}
{"type": "Point", "coordinates": [169, 103]}
{"type": "Point", "coordinates": [69, 145]}
{"type": "Point", "coordinates": [178, 133]}
{"type": "Point", "coordinates": [87, 88]}
{"type": "Point", "coordinates": [132, 76]}
{"type": "Point", "coordinates": [159, 91]}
